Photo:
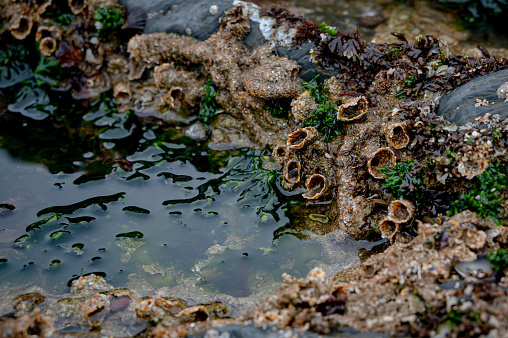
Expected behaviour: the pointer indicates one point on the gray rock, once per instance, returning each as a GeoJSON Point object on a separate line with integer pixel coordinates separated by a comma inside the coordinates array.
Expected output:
{"type": "Point", "coordinates": [198, 131]}
{"type": "Point", "coordinates": [181, 16]}
{"type": "Point", "coordinates": [459, 104]}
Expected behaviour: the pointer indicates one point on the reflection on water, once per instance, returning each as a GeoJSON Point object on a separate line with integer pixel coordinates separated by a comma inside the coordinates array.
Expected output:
{"type": "Point", "coordinates": [86, 189]}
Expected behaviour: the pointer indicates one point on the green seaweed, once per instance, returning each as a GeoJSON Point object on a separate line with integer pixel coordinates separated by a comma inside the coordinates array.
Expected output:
{"type": "Point", "coordinates": [498, 259]}
{"type": "Point", "coordinates": [210, 105]}
{"type": "Point", "coordinates": [325, 121]}
{"type": "Point", "coordinates": [326, 28]}
{"type": "Point", "coordinates": [108, 20]}
{"type": "Point", "coordinates": [316, 89]}
{"type": "Point", "coordinates": [485, 196]}
{"type": "Point", "coordinates": [404, 181]}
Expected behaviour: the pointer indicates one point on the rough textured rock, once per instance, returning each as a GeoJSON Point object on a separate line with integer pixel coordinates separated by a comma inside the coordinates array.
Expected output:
{"type": "Point", "coordinates": [461, 105]}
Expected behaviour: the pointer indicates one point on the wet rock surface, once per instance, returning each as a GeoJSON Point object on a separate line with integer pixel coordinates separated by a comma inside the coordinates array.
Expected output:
{"type": "Point", "coordinates": [431, 280]}
{"type": "Point", "coordinates": [475, 99]}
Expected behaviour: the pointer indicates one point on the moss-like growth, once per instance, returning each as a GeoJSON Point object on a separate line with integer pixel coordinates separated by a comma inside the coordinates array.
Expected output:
{"type": "Point", "coordinates": [324, 117]}
{"type": "Point", "coordinates": [404, 181]}
{"type": "Point", "coordinates": [107, 20]}
{"type": "Point", "coordinates": [316, 89]}
{"type": "Point", "coordinates": [498, 259]}
{"type": "Point", "coordinates": [325, 121]}
{"type": "Point", "coordinates": [210, 105]}
{"type": "Point", "coordinates": [485, 198]}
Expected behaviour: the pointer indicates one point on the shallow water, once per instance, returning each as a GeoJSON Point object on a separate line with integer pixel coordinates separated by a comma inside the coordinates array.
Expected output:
{"type": "Point", "coordinates": [87, 189]}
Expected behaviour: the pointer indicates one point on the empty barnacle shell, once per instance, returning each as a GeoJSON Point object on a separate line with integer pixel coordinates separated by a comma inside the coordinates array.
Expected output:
{"type": "Point", "coordinates": [135, 21]}
{"type": "Point", "coordinates": [280, 153]}
{"type": "Point", "coordinates": [21, 27]}
{"type": "Point", "coordinates": [292, 171]}
{"type": "Point", "coordinates": [401, 211]}
{"type": "Point", "coordinates": [42, 8]}
{"type": "Point", "coordinates": [383, 157]}
{"type": "Point", "coordinates": [44, 31]}
{"type": "Point", "coordinates": [174, 97]}
{"type": "Point", "coordinates": [301, 137]}
{"type": "Point", "coordinates": [122, 92]}
{"type": "Point", "coordinates": [353, 108]}
{"type": "Point", "coordinates": [316, 186]}
{"type": "Point", "coordinates": [47, 46]}
{"type": "Point", "coordinates": [397, 135]}
{"type": "Point", "coordinates": [388, 228]}
{"type": "Point", "coordinates": [77, 6]}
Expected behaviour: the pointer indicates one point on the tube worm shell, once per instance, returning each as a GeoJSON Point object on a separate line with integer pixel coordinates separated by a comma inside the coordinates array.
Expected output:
{"type": "Point", "coordinates": [122, 92]}
{"type": "Point", "coordinates": [280, 153]}
{"type": "Point", "coordinates": [47, 46]}
{"type": "Point", "coordinates": [44, 31]}
{"type": "Point", "coordinates": [301, 137]}
{"type": "Point", "coordinates": [397, 136]}
{"type": "Point", "coordinates": [401, 211]}
{"type": "Point", "coordinates": [174, 97]}
{"type": "Point", "coordinates": [383, 157]}
{"type": "Point", "coordinates": [292, 172]}
{"type": "Point", "coordinates": [21, 27]}
{"type": "Point", "coordinates": [388, 228]}
{"type": "Point", "coordinates": [353, 108]}
{"type": "Point", "coordinates": [316, 186]}
{"type": "Point", "coordinates": [77, 6]}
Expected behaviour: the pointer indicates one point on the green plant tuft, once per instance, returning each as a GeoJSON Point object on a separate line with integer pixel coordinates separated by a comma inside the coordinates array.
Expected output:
{"type": "Point", "coordinates": [485, 196]}
{"type": "Point", "coordinates": [325, 121]}
{"type": "Point", "coordinates": [107, 20]}
{"type": "Point", "coordinates": [498, 259]}
{"type": "Point", "coordinates": [210, 105]}
{"type": "Point", "coordinates": [325, 28]}
{"type": "Point", "coordinates": [404, 181]}
{"type": "Point", "coordinates": [316, 89]}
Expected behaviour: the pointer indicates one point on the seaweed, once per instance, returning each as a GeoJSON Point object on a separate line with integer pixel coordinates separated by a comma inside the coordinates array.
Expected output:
{"type": "Point", "coordinates": [405, 181]}
{"type": "Point", "coordinates": [325, 121]}
{"type": "Point", "coordinates": [316, 89]}
{"type": "Point", "coordinates": [498, 259]}
{"type": "Point", "coordinates": [210, 105]}
{"type": "Point", "coordinates": [107, 21]}
{"type": "Point", "coordinates": [486, 196]}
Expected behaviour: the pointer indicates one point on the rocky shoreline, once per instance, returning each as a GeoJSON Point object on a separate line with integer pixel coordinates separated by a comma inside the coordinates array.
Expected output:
{"type": "Point", "coordinates": [371, 143]}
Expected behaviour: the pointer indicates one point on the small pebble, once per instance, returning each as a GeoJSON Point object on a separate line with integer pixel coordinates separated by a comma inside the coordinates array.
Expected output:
{"type": "Point", "coordinates": [371, 19]}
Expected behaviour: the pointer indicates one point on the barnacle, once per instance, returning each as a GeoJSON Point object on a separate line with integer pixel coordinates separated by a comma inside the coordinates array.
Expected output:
{"type": "Point", "coordinates": [21, 27]}
{"type": "Point", "coordinates": [383, 157]}
{"type": "Point", "coordinates": [401, 211]}
{"type": "Point", "coordinates": [44, 31]}
{"type": "Point", "coordinates": [280, 153]}
{"type": "Point", "coordinates": [316, 186]}
{"type": "Point", "coordinates": [47, 46]}
{"type": "Point", "coordinates": [301, 137]}
{"type": "Point", "coordinates": [193, 313]}
{"type": "Point", "coordinates": [174, 97]}
{"type": "Point", "coordinates": [353, 108]}
{"type": "Point", "coordinates": [397, 135]}
{"type": "Point", "coordinates": [275, 80]}
{"type": "Point", "coordinates": [122, 92]}
{"type": "Point", "coordinates": [292, 172]}
{"type": "Point", "coordinates": [77, 6]}
{"type": "Point", "coordinates": [388, 227]}
{"type": "Point", "coordinates": [302, 106]}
